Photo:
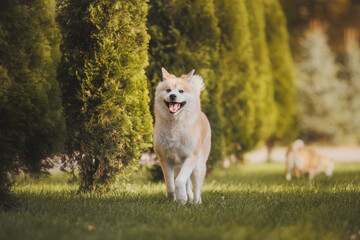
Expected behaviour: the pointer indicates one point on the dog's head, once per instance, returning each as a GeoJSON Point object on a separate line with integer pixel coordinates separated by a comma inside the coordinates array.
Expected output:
{"type": "Point", "coordinates": [178, 95]}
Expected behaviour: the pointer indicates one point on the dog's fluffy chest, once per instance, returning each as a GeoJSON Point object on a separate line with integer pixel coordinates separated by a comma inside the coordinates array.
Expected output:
{"type": "Point", "coordinates": [175, 146]}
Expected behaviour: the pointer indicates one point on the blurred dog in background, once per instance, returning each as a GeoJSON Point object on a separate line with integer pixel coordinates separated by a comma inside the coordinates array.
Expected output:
{"type": "Point", "coordinates": [302, 160]}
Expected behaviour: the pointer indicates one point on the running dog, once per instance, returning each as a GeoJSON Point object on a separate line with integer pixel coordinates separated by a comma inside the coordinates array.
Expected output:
{"type": "Point", "coordinates": [306, 161]}
{"type": "Point", "coordinates": [182, 135]}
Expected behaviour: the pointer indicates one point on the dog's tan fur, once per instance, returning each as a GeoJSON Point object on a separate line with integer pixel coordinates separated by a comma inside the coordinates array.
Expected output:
{"type": "Point", "coordinates": [182, 139]}
{"type": "Point", "coordinates": [306, 161]}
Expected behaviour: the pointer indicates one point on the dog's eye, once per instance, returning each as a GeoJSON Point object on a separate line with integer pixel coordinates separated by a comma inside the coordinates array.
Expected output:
{"type": "Point", "coordinates": [181, 91]}
{"type": "Point", "coordinates": [168, 90]}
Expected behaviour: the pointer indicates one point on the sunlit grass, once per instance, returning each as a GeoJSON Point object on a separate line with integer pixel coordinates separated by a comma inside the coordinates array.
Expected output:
{"type": "Point", "coordinates": [251, 201]}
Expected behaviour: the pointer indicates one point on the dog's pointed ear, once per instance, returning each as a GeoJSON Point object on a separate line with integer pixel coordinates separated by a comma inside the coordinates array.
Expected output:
{"type": "Point", "coordinates": [189, 75]}
{"type": "Point", "coordinates": [165, 74]}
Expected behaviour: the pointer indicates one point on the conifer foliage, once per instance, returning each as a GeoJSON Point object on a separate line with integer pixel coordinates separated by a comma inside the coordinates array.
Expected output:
{"type": "Point", "coordinates": [103, 81]}
{"type": "Point", "coordinates": [321, 95]}
{"type": "Point", "coordinates": [352, 73]}
{"type": "Point", "coordinates": [286, 126]}
{"type": "Point", "coordinates": [31, 122]}
{"type": "Point", "coordinates": [263, 85]}
{"type": "Point", "coordinates": [237, 75]}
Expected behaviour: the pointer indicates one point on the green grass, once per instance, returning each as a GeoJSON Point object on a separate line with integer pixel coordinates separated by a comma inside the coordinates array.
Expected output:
{"type": "Point", "coordinates": [251, 201]}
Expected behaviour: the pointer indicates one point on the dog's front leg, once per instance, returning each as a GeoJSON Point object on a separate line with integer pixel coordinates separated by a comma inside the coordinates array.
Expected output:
{"type": "Point", "coordinates": [168, 171]}
{"type": "Point", "coordinates": [288, 173]}
{"type": "Point", "coordinates": [182, 179]}
{"type": "Point", "coordinates": [189, 191]}
{"type": "Point", "coordinates": [197, 178]}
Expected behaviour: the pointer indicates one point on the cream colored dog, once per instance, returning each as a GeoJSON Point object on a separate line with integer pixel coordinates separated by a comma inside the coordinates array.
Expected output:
{"type": "Point", "coordinates": [306, 161]}
{"type": "Point", "coordinates": [182, 135]}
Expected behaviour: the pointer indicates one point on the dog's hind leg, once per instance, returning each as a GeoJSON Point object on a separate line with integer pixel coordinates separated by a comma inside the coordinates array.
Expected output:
{"type": "Point", "coordinates": [197, 178]}
{"type": "Point", "coordinates": [290, 165]}
{"type": "Point", "coordinates": [198, 175]}
{"type": "Point", "coordinates": [197, 183]}
{"type": "Point", "coordinates": [297, 173]}
{"type": "Point", "coordinates": [312, 173]}
{"type": "Point", "coordinates": [189, 192]}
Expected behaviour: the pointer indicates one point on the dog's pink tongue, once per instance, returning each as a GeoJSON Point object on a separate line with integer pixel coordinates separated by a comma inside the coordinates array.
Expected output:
{"type": "Point", "coordinates": [174, 107]}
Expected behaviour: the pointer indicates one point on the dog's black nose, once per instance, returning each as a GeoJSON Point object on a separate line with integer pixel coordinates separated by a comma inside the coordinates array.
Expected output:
{"type": "Point", "coordinates": [172, 97]}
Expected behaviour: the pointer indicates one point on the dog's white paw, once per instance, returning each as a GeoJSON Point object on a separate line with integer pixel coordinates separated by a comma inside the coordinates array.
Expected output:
{"type": "Point", "coordinates": [181, 201]}
{"type": "Point", "coordinates": [181, 198]}
{"type": "Point", "coordinates": [180, 191]}
{"type": "Point", "coordinates": [288, 177]}
{"type": "Point", "coordinates": [190, 196]}
{"type": "Point", "coordinates": [197, 200]}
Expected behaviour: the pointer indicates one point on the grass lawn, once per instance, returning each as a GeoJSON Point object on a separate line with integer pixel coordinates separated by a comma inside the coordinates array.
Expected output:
{"type": "Point", "coordinates": [252, 201]}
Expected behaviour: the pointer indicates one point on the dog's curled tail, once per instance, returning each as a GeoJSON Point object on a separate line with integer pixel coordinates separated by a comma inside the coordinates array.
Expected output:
{"type": "Point", "coordinates": [198, 82]}
{"type": "Point", "coordinates": [298, 144]}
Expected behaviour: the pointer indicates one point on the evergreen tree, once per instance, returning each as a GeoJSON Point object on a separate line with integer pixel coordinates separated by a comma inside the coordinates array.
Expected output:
{"type": "Point", "coordinates": [283, 78]}
{"type": "Point", "coordinates": [238, 76]}
{"type": "Point", "coordinates": [263, 85]}
{"type": "Point", "coordinates": [103, 81]}
{"type": "Point", "coordinates": [321, 96]}
{"type": "Point", "coordinates": [352, 71]}
{"type": "Point", "coordinates": [31, 122]}
{"type": "Point", "coordinates": [185, 36]}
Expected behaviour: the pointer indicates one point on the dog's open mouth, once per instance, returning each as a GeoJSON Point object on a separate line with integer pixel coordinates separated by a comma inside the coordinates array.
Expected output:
{"type": "Point", "coordinates": [175, 107]}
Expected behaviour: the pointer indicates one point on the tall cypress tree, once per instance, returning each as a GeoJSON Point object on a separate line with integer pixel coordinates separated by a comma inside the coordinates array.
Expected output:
{"type": "Point", "coordinates": [104, 86]}
{"type": "Point", "coordinates": [263, 85]}
{"type": "Point", "coordinates": [283, 77]}
{"type": "Point", "coordinates": [352, 73]}
{"type": "Point", "coordinates": [185, 36]}
{"type": "Point", "coordinates": [321, 94]}
{"type": "Point", "coordinates": [31, 122]}
{"type": "Point", "coordinates": [237, 74]}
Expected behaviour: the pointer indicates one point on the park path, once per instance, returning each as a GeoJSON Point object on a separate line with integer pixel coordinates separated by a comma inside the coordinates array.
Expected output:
{"type": "Point", "coordinates": [339, 154]}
